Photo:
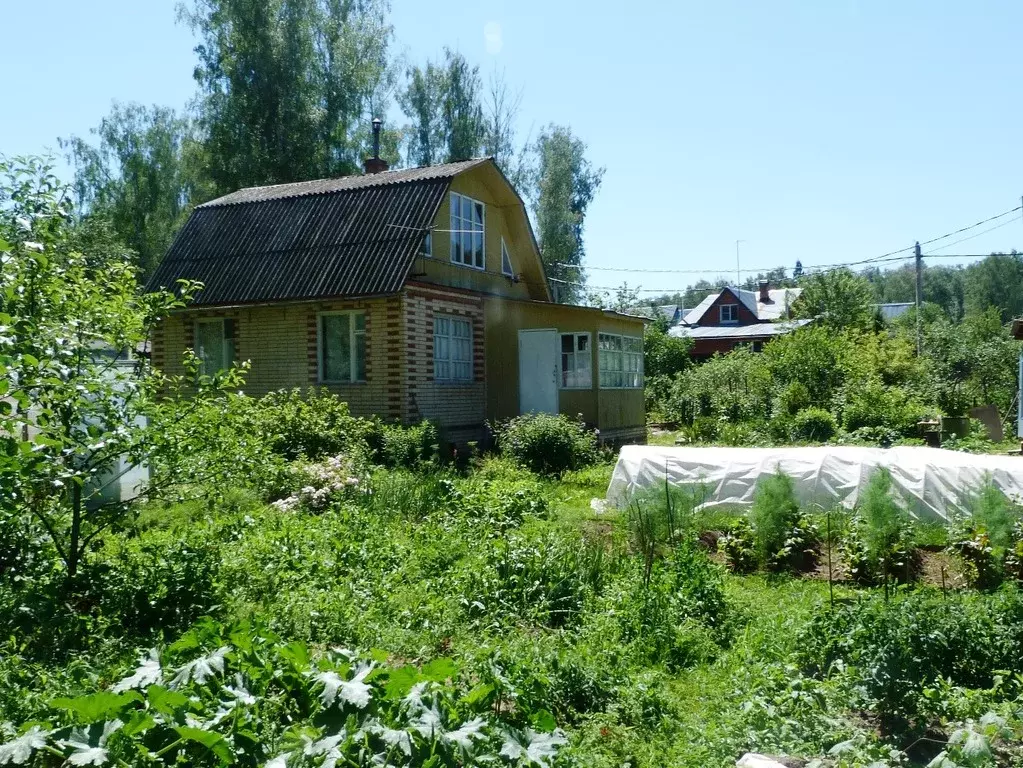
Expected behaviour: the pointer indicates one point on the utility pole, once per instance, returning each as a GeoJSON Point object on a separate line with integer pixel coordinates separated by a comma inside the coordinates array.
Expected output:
{"type": "Point", "coordinates": [738, 273]}
{"type": "Point", "coordinates": [919, 297]}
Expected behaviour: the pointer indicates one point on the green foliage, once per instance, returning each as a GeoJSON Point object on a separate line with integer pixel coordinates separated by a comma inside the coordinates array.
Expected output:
{"type": "Point", "coordinates": [76, 406]}
{"type": "Point", "coordinates": [878, 547]}
{"type": "Point", "coordinates": [663, 354]}
{"type": "Point", "coordinates": [561, 186]}
{"type": "Point", "coordinates": [895, 649]}
{"type": "Point", "coordinates": [547, 444]}
{"type": "Point", "coordinates": [137, 176]}
{"type": "Point", "coordinates": [815, 357]}
{"type": "Point", "coordinates": [874, 405]}
{"type": "Point", "coordinates": [679, 615]}
{"type": "Point", "coordinates": [838, 299]}
{"type": "Point", "coordinates": [311, 425]}
{"type": "Point", "coordinates": [408, 447]}
{"type": "Point", "coordinates": [814, 425]}
{"type": "Point", "coordinates": [734, 387]}
{"type": "Point", "coordinates": [780, 538]}
{"type": "Point", "coordinates": [288, 87]}
{"type": "Point", "coordinates": [444, 102]}
{"type": "Point", "coordinates": [986, 539]}
{"type": "Point", "coordinates": [239, 695]}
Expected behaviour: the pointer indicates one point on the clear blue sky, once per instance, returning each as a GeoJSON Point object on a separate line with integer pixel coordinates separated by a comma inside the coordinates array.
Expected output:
{"type": "Point", "coordinates": [820, 130]}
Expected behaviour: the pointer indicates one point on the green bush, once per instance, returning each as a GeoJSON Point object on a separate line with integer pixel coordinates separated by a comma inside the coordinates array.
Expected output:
{"type": "Point", "coordinates": [874, 405]}
{"type": "Point", "coordinates": [407, 447]}
{"type": "Point", "coordinates": [896, 649]}
{"type": "Point", "coordinates": [543, 578]}
{"type": "Point", "coordinates": [985, 539]}
{"type": "Point", "coordinates": [312, 426]}
{"type": "Point", "coordinates": [814, 425]}
{"type": "Point", "coordinates": [780, 538]}
{"type": "Point", "coordinates": [679, 616]}
{"type": "Point", "coordinates": [879, 544]}
{"type": "Point", "coordinates": [161, 584]}
{"type": "Point", "coordinates": [547, 444]}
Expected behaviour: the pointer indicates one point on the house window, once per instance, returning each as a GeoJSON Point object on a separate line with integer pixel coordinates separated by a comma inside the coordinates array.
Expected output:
{"type": "Point", "coordinates": [214, 345]}
{"type": "Point", "coordinates": [621, 361]}
{"type": "Point", "coordinates": [506, 265]}
{"type": "Point", "coordinates": [729, 313]}
{"type": "Point", "coordinates": [467, 225]}
{"type": "Point", "coordinates": [452, 349]}
{"type": "Point", "coordinates": [576, 361]}
{"type": "Point", "coordinates": [427, 248]}
{"type": "Point", "coordinates": [342, 342]}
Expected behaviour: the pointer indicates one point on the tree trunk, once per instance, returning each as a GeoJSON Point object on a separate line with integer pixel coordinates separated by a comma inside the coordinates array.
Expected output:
{"type": "Point", "coordinates": [76, 530]}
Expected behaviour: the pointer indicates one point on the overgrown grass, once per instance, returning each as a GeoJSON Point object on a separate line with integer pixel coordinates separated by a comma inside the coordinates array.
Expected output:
{"type": "Point", "coordinates": [647, 653]}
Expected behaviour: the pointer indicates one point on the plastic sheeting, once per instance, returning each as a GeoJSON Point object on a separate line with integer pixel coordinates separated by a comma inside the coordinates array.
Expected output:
{"type": "Point", "coordinates": [931, 483]}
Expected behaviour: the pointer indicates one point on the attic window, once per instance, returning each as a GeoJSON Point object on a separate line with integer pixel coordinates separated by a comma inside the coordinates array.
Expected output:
{"type": "Point", "coordinates": [729, 313]}
{"type": "Point", "coordinates": [468, 219]}
{"type": "Point", "coordinates": [506, 265]}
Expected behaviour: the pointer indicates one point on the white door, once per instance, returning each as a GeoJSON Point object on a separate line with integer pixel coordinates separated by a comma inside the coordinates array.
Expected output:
{"type": "Point", "coordinates": [538, 371]}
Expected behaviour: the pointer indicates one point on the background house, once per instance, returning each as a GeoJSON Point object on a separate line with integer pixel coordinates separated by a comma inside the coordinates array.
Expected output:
{"type": "Point", "coordinates": [732, 316]}
{"type": "Point", "coordinates": [411, 294]}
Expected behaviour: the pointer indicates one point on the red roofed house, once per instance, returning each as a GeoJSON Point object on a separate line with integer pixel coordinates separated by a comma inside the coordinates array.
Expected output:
{"type": "Point", "coordinates": [732, 317]}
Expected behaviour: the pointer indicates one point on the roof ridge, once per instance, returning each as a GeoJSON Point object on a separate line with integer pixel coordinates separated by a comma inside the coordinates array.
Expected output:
{"type": "Point", "coordinates": [331, 185]}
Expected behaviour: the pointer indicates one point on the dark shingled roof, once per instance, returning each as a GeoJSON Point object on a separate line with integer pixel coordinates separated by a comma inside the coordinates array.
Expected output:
{"type": "Point", "coordinates": [353, 236]}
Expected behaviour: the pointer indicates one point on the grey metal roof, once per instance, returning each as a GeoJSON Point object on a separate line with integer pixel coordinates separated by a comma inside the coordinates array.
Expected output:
{"type": "Point", "coordinates": [756, 330]}
{"type": "Point", "coordinates": [894, 310]}
{"type": "Point", "coordinates": [353, 236]}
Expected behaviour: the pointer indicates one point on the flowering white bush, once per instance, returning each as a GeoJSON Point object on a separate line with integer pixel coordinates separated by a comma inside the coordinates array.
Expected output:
{"type": "Point", "coordinates": [334, 478]}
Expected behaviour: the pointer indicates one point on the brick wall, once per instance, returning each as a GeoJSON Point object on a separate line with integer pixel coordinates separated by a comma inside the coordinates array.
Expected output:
{"type": "Point", "coordinates": [280, 342]}
{"type": "Point", "coordinates": [455, 407]}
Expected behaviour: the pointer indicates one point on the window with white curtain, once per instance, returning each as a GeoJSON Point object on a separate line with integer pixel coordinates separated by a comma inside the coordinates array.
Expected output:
{"type": "Point", "coordinates": [452, 349]}
{"type": "Point", "coordinates": [342, 342]}
{"type": "Point", "coordinates": [576, 361]}
{"type": "Point", "coordinates": [214, 345]}
{"type": "Point", "coordinates": [468, 219]}
{"type": "Point", "coordinates": [620, 361]}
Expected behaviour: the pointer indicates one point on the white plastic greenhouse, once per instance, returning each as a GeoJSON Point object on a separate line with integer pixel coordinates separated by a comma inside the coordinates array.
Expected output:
{"type": "Point", "coordinates": [931, 483]}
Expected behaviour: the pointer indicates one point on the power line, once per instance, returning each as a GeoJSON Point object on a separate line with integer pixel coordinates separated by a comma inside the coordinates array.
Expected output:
{"type": "Point", "coordinates": [883, 258]}
{"type": "Point", "coordinates": [971, 237]}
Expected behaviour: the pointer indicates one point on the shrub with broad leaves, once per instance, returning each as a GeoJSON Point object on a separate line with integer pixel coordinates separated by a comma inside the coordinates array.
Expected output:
{"type": "Point", "coordinates": [546, 444]}
{"type": "Point", "coordinates": [238, 695]}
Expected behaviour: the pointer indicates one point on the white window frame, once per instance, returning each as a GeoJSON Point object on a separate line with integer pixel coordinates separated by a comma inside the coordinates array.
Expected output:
{"type": "Point", "coordinates": [227, 345]}
{"type": "Point", "coordinates": [457, 228]}
{"type": "Point", "coordinates": [506, 260]}
{"type": "Point", "coordinates": [427, 247]}
{"type": "Point", "coordinates": [575, 355]}
{"type": "Point", "coordinates": [617, 377]}
{"type": "Point", "coordinates": [352, 334]}
{"type": "Point", "coordinates": [733, 311]}
{"type": "Point", "coordinates": [450, 346]}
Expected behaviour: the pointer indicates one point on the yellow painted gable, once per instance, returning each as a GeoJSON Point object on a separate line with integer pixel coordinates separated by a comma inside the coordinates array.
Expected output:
{"type": "Point", "coordinates": [504, 220]}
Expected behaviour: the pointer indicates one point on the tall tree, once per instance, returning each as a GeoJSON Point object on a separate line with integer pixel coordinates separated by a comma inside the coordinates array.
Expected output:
{"type": "Point", "coordinates": [136, 175]}
{"type": "Point", "coordinates": [463, 110]}
{"type": "Point", "coordinates": [564, 183]}
{"type": "Point", "coordinates": [287, 87]}
{"type": "Point", "coordinates": [444, 103]}
{"type": "Point", "coordinates": [500, 109]}
{"type": "Point", "coordinates": [996, 281]}
{"type": "Point", "coordinates": [422, 102]}
{"type": "Point", "coordinates": [839, 299]}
